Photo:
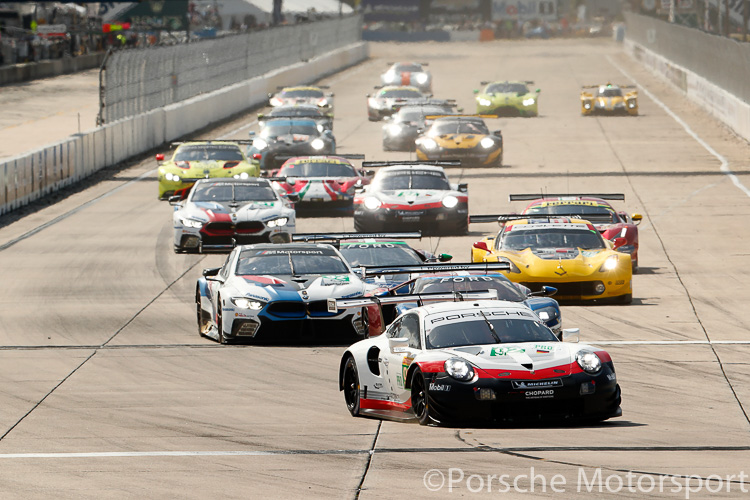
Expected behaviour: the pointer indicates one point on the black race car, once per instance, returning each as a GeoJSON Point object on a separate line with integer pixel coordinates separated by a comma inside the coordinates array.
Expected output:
{"type": "Point", "coordinates": [405, 125]}
{"type": "Point", "coordinates": [320, 116]}
{"type": "Point", "coordinates": [290, 137]}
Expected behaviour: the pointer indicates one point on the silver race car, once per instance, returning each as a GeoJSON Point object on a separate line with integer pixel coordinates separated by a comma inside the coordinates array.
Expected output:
{"type": "Point", "coordinates": [219, 214]}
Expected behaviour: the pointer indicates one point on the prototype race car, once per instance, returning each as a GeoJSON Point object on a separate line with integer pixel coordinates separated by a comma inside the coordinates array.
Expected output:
{"type": "Point", "coordinates": [276, 292]}
{"type": "Point", "coordinates": [290, 137]}
{"type": "Point", "coordinates": [609, 99]}
{"type": "Point", "coordinates": [202, 159]}
{"type": "Point", "coordinates": [412, 196]}
{"type": "Point", "coordinates": [594, 208]}
{"type": "Point", "coordinates": [322, 183]}
{"type": "Point", "coordinates": [314, 113]}
{"type": "Point", "coordinates": [405, 125]}
{"type": "Point", "coordinates": [478, 360]}
{"type": "Point", "coordinates": [461, 137]}
{"type": "Point", "coordinates": [219, 214]}
{"type": "Point", "coordinates": [302, 95]}
{"type": "Point", "coordinates": [507, 99]}
{"type": "Point", "coordinates": [408, 73]}
{"type": "Point", "coordinates": [566, 253]}
{"type": "Point", "coordinates": [382, 103]}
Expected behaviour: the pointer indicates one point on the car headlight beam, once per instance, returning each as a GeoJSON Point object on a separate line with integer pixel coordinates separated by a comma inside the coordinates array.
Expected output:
{"type": "Point", "coordinates": [610, 264]}
{"type": "Point", "coordinates": [260, 144]}
{"type": "Point", "coordinates": [450, 201]}
{"type": "Point", "coordinates": [372, 203]}
{"type": "Point", "coordinates": [197, 224]}
{"type": "Point", "coordinates": [459, 369]}
{"type": "Point", "coordinates": [487, 143]}
{"type": "Point", "coordinates": [589, 362]}
{"type": "Point", "coordinates": [318, 144]}
{"type": "Point", "coordinates": [429, 143]}
{"type": "Point", "coordinates": [421, 78]}
{"type": "Point", "coordinates": [528, 102]}
{"type": "Point", "coordinates": [484, 102]}
{"type": "Point", "coordinates": [281, 221]}
{"type": "Point", "coordinates": [246, 303]}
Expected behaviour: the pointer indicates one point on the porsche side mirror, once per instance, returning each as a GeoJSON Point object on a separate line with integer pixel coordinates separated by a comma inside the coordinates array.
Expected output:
{"type": "Point", "coordinates": [637, 218]}
{"type": "Point", "coordinates": [571, 334]}
{"type": "Point", "coordinates": [481, 245]}
{"type": "Point", "coordinates": [398, 344]}
{"type": "Point", "coordinates": [498, 133]}
{"type": "Point", "coordinates": [618, 242]}
{"type": "Point", "coordinates": [329, 94]}
{"type": "Point", "coordinates": [160, 157]}
{"type": "Point", "coordinates": [463, 187]}
{"type": "Point", "coordinates": [212, 271]}
{"type": "Point", "coordinates": [369, 173]}
{"type": "Point", "coordinates": [175, 200]}
{"type": "Point", "coordinates": [293, 197]}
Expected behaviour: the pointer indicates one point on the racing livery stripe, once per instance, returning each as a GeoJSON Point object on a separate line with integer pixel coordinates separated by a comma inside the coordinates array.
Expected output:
{"type": "Point", "coordinates": [432, 366]}
{"type": "Point", "coordinates": [604, 356]}
{"type": "Point", "coordinates": [543, 373]}
{"type": "Point", "coordinates": [374, 404]}
{"type": "Point", "coordinates": [269, 280]}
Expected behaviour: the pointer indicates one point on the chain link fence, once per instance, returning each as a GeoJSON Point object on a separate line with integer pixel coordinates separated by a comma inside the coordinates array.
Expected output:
{"type": "Point", "coordinates": [722, 61]}
{"type": "Point", "coordinates": [137, 81]}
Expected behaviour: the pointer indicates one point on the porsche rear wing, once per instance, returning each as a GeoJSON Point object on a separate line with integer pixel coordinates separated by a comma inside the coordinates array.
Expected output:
{"type": "Point", "coordinates": [509, 217]}
{"type": "Point", "coordinates": [307, 237]}
{"type": "Point", "coordinates": [369, 271]}
{"type": "Point", "coordinates": [540, 196]}
{"type": "Point", "coordinates": [435, 163]}
{"type": "Point", "coordinates": [334, 305]}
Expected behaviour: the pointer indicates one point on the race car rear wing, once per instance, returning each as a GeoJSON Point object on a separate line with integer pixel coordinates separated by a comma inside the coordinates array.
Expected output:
{"type": "Point", "coordinates": [502, 218]}
{"type": "Point", "coordinates": [307, 237]}
{"type": "Point", "coordinates": [435, 163]}
{"type": "Point", "coordinates": [210, 141]}
{"type": "Point", "coordinates": [540, 196]}
{"type": "Point", "coordinates": [435, 117]}
{"type": "Point", "coordinates": [350, 156]}
{"type": "Point", "coordinates": [527, 82]}
{"type": "Point", "coordinates": [281, 87]}
{"type": "Point", "coordinates": [368, 271]}
{"type": "Point", "coordinates": [335, 305]}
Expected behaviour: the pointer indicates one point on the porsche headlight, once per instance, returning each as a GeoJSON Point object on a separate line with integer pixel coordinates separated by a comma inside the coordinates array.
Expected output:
{"type": "Point", "coordinates": [275, 101]}
{"type": "Point", "coordinates": [318, 144]}
{"type": "Point", "coordinates": [372, 203]}
{"type": "Point", "coordinates": [245, 303]}
{"type": "Point", "coordinates": [260, 144]}
{"type": "Point", "coordinates": [373, 103]}
{"type": "Point", "coordinates": [281, 221]}
{"type": "Point", "coordinates": [589, 362]}
{"type": "Point", "coordinates": [323, 103]}
{"type": "Point", "coordinates": [487, 143]}
{"type": "Point", "coordinates": [390, 76]}
{"type": "Point", "coordinates": [394, 129]}
{"type": "Point", "coordinates": [242, 175]}
{"type": "Point", "coordinates": [450, 201]}
{"type": "Point", "coordinates": [484, 102]}
{"type": "Point", "coordinates": [459, 369]}
{"type": "Point", "coordinates": [421, 78]}
{"type": "Point", "coordinates": [528, 102]}
{"type": "Point", "coordinates": [610, 264]}
{"type": "Point", "coordinates": [197, 224]}
{"type": "Point", "coordinates": [428, 143]}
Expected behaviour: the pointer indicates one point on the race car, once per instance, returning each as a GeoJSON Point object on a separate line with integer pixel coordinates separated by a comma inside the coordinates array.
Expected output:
{"type": "Point", "coordinates": [218, 214]}
{"type": "Point", "coordinates": [566, 253]}
{"type": "Point", "coordinates": [507, 99]}
{"type": "Point", "coordinates": [475, 361]}
{"type": "Point", "coordinates": [412, 195]}
{"type": "Point", "coordinates": [594, 208]}
{"type": "Point", "coordinates": [290, 137]}
{"type": "Point", "coordinates": [314, 96]}
{"type": "Point", "coordinates": [408, 73]}
{"type": "Point", "coordinates": [382, 103]}
{"type": "Point", "coordinates": [609, 99]}
{"type": "Point", "coordinates": [322, 183]}
{"type": "Point", "coordinates": [462, 137]}
{"type": "Point", "coordinates": [404, 125]}
{"type": "Point", "coordinates": [275, 292]}
{"type": "Point", "coordinates": [319, 116]}
{"type": "Point", "coordinates": [540, 302]}
{"type": "Point", "coordinates": [202, 159]}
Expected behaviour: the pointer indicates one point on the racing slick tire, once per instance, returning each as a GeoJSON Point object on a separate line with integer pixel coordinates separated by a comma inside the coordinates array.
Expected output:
{"type": "Point", "coordinates": [462, 228]}
{"type": "Point", "coordinates": [420, 400]}
{"type": "Point", "coordinates": [202, 320]}
{"type": "Point", "coordinates": [625, 299]}
{"type": "Point", "coordinates": [220, 325]}
{"type": "Point", "coordinates": [350, 382]}
{"type": "Point", "coordinates": [360, 227]}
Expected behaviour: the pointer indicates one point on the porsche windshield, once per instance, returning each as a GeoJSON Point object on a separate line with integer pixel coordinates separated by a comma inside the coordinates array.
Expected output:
{"type": "Point", "coordinates": [404, 93]}
{"type": "Point", "coordinates": [302, 93]}
{"type": "Point", "coordinates": [466, 332]}
{"type": "Point", "coordinates": [290, 262]}
{"type": "Point", "coordinates": [507, 88]}
{"type": "Point", "coordinates": [458, 127]}
{"type": "Point", "coordinates": [208, 152]}
{"type": "Point", "coordinates": [411, 180]}
{"type": "Point", "coordinates": [278, 128]}
{"type": "Point", "coordinates": [379, 254]}
{"type": "Point", "coordinates": [599, 214]}
{"type": "Point", "coordinates": [317, 169]}
{"type": "Point", "coordinates": [505, 289]}
{"type": "Point", "coordinates": [586, 239]}
{"type": "Point", "coordinates": [227, 191]}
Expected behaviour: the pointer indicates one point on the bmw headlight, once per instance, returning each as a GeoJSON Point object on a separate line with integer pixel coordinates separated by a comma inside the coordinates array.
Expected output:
{"type": "Point", "coordinates": [318, 144]}
{"type": "Point", "coordinates": [487, 143]}
{"type": "Point", "coordinates": [372, 203]}
{"type": "Point", "coordinates": [528, 102]}
{"type": "Point", "coordinates": [450, 201]}
{"type": "Point", "coordinates": [484, 102]}
{"type": "Point", "coordinates": [260, 144]}
{"type": "Point", "coordinates": [245, 303]}
{"type": "Point", "coordinates": [428, 143]}
{"type": "Point", "coordinates": [281, 221]}
{"type": "Point", "coordinates": [459, 369]}
{"type": "Point", "coordinates": [192, 223]}
{"type": "Point", "coordinates": [589, 362]}
{"type": "Point", "coordinates": [421, 78]}
{"type": "Point", "coordinates": [242, 175]}
{"type": "Point", "coordinates": [610, 264]}
{"type": "Point", "coordinates": [394, 129]}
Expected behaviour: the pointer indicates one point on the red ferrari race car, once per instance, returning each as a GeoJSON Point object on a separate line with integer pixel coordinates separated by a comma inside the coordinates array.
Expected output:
{"type": "Point", "coordinates": [594, 208]}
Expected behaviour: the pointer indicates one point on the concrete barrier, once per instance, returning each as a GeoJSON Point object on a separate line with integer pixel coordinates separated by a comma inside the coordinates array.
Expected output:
{"type": "Point", "coordinates": [18, 73]}
{"type": "Point", "coordinates": [725, 106]}
{"type": "Point", "coordinates": [32, 175]}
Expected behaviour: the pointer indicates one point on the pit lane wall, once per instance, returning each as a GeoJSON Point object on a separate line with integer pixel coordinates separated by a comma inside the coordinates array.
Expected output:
{"type": "Point", "coordinates": [28, 177]}
{"type": "Point", "coordinates": [711, 70]}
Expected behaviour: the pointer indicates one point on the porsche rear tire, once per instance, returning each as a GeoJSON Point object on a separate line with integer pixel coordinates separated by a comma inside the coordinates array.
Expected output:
{"type": "Point", "coordinates": [420, 400]}
{"type": "Point", "coordinates": [350, 382]}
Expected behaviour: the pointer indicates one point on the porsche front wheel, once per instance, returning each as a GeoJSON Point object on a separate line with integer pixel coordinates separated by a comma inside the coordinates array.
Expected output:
{"type": "Point", "coordinates": [351, 386]}
{"type": "Point", "coordinates": [420, 400]}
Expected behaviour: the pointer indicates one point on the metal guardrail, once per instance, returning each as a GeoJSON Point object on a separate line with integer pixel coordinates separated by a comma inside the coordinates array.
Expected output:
{"type": "Point", "coordinates": [137, 81]}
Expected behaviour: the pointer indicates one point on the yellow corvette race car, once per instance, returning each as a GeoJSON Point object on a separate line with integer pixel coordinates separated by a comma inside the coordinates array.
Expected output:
{"type": "Point", "coordinates": [565, 253]}
{"type": "Point", "coordinates": [609, 99]}
{"type": "Point", "coordinates": [201, 160]}
{"type": "Point", "coordinates": [461, 137]}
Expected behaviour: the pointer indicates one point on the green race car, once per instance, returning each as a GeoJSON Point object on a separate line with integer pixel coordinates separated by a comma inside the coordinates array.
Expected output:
{"type": "Point", "coordinates": [507, 99]}
{"type": "Point", "coordinates": [200, 160]}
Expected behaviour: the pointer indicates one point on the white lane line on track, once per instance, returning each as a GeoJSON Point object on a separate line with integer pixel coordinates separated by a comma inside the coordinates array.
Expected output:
{"type": "Point", "coordinates": [724, 162]}
{"type": "Point", "coordinates": [127, 454]}
{"type": "Point", "coordinates": [670, 342]}
{"type": "Point", "coordinates": [238, 130]}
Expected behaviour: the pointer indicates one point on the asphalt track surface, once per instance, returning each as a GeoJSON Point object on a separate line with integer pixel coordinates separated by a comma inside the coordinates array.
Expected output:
{"type": "Point", "coordinates": [108, 391]}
